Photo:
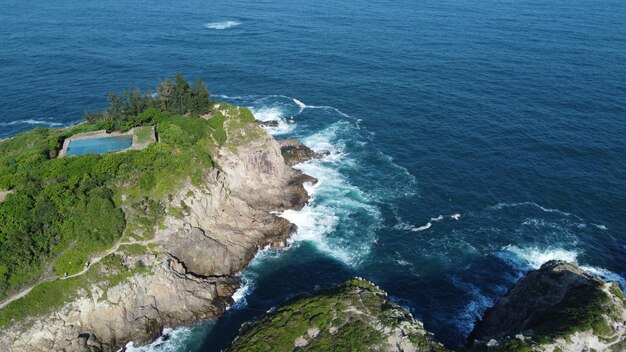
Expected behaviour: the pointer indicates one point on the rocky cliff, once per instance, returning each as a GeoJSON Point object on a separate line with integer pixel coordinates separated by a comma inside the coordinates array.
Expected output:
{"type": "Point", "coordinates": [187, 271]}
{"type": "Point", "coordinates": [354, 316]}
{"type": "Point", "coordinates": [556, 308]}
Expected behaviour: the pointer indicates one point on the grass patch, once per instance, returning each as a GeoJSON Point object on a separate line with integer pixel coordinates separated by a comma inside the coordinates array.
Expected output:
{"type": "Point", "coordinates": [134, 249]}
{"type": "Point", "coordinates": [50, 296]}
{"type": "Point", "coordinates": [144, 134]}
{"type": "Point", "coordinates": [583, 309]}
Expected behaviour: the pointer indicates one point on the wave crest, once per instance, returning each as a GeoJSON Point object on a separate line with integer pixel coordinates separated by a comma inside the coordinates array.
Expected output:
{"type": "Point", "coordinates": [526, 258]}
{"type": "Point", "coordinates": [222, 25]}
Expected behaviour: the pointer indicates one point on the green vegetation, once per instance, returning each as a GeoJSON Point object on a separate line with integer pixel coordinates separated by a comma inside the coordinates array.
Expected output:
{"type": "Point", "coordinates": [348, 317]}
{"type": "Point", "coordinates": [508, 345]}
{"type": "Point", "coordinates": [582, 310]}
{"type": "Point", "coordinates": [46, 297]}
{"type": "Point", "coordinates": [144, 134]}
{"type": "Point", "coordinates": [134, 249]}
{"type": "Point", "coordinates": [617, 292]}
{"type": "Point", "coordinates": [62, 210]}
{"type": "Point", "coordinates": [175, 96]}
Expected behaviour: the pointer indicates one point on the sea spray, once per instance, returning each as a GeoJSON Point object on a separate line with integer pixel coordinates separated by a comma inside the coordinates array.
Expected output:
{"type": "Point", "coordinates": [183, 339]}
{"type": "Point", "coordinates": [524, 259]}
{"type": "Point", "coordinates": [274, 113]}
{"type": "Point", "coordinates": [222, 25]}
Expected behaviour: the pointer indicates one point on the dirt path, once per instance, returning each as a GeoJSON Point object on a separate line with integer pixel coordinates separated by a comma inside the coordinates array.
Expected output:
{"type": "Point", "coordinates": [92, 261]}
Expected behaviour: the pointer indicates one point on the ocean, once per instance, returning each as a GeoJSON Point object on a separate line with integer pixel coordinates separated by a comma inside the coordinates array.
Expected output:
{"type": "Point", "coordinates": [471, 141]}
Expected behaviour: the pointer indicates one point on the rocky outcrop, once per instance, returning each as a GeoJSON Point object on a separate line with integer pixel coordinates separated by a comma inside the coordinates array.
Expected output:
{"type": "Point", "coordinates": [558, 307]}
{"type": "Point", "coordinates": [354, 316]}
{"type": "Point", "coordinates": [187, 271]}
{"type": "Point", "coordinates": [295, 152]}
{"type": "Point", "coordinates": [268, 123]}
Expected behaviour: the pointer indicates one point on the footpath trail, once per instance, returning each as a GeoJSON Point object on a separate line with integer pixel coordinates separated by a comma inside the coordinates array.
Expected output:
{"type": "Point", "coordinates": [92, 261]}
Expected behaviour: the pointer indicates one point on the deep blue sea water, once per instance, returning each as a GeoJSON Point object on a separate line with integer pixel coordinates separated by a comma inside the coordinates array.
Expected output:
{"type": "Point", "coordinates": [471, 140]}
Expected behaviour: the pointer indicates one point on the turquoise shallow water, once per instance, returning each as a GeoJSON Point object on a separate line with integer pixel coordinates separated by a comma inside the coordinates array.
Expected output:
{"type": "Point", "coordinates": [470, 140]}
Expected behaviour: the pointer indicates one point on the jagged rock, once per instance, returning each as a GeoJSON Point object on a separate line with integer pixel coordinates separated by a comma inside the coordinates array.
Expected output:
{"type": "Point", "coordinates": [354, 316]}
{"type": "Point", "coordinates": [268, 123]}
{"type": "Point", "coordinates": [558, 306]}
{"type": "Point", "coordinates": [191, 276]}
{"type": "Point", "coordinates": [295, 152]}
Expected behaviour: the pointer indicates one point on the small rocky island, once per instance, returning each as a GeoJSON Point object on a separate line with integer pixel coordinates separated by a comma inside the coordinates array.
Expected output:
{"type": "Point", "coordinates": [354, 316]}
{"type": "Point", "coordinates": [556, 308]}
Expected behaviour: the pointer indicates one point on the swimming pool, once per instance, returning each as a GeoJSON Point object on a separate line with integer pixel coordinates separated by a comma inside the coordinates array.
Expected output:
{"type": "Point", "coordinates": [101, 145]}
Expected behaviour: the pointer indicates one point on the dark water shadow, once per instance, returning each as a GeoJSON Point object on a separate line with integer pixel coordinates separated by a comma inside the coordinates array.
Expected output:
{"type": "Point", "coordinates": [280, 281]}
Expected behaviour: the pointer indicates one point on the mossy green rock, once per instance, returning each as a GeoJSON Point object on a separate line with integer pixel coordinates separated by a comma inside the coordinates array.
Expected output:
{"type": "Point", "coordinates": [354, 316]}
{"type": "Point", "coordinates": [558, 306]}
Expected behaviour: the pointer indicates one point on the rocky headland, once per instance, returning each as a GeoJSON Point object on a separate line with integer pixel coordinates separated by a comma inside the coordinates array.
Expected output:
{"type": "Point", "coordinates": [187, 271]}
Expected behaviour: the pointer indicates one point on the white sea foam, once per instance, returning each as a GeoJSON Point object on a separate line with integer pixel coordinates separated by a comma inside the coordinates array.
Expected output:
{"type": "Point", "coordinates": [402, 262]}
{"type": "Point", "coordinates": [422, 228]}
{"type": "Point", "coordinates": [475, 308]}
{"type": "Point", "coordinates": [606, 274]}
{"type": "Point", "coordinates": [327, 140]}
{"type": "Point", "coordinates": [274, 113]}
{"type": "Point", "coordinates": [222, 25]}
{"type": "Point", "coordinates": [334, 201]}
{"type": "Point", "coordinates": [303, 106]}
{"type": "Point", "coordinates": [239, 297]}
{"type": "Point", "coordinates": [171, 341]}
{"type": "Point", "coordinates": [500, 206]}
{"type": "Point", "coordinates": [601, 227]}
{"type": "Point", "coordinates": [534, 257]}
{"type": "Point", "coordinates": [406, 182]}
{"type": "Point", "coordinates": [36, 122]}
{"type": "Point", "coordinates": [525, 259]}
{"type": "Point", "coordinates": [300, 104]}
{"type": "Point", "coordinates": [401, 225]}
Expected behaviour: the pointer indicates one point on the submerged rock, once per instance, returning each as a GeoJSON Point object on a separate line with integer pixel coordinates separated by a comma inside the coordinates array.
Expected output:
{"type": "Point", "coordinates": [268, 123]}
{"type": "Point", "coordinates": [295, 152]}
{"type": "Point", "coordinates": [354, 316]}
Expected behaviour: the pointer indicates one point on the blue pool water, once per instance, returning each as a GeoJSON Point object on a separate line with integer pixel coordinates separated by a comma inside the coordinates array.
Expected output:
{"type": "Point", "coordinates": [101, 145]}
{"type": "Point", "coordinates": [511, 114]}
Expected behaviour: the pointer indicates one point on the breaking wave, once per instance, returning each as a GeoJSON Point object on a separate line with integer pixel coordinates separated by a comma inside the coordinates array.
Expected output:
{"type": "Point", "coordinates": [335, 204]}
{"type": "Point", "coordinates": [222, 25]}
{"type": "Point", "coordinates": [475, 308]}
{"type": "Point", "coordinates": [173, 340]}
{"type": "Point", "coordinates": [408, 227]}
{"type": "Point", "coordinates": [34, 122]}
{"type": "Point", "coordinates": [524, 259]}
{"type": "Point", "coordinates": [274, 113]}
